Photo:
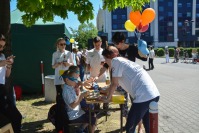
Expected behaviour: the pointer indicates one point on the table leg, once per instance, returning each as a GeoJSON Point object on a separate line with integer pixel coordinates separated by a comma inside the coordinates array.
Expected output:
{"type": "Point", "coordinates": [121, 117]}
{"type": "Point", "coordinates": [90, 127]}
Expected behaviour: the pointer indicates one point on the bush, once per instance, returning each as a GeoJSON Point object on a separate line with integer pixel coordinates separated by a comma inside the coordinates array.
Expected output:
{"type": "Point", "coordinates": [160, 52]}
{"type": "Point", "coordinates": [171, 52]}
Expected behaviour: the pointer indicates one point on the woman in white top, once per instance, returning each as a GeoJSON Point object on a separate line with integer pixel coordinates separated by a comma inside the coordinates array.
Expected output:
{"type": "Point", "coordinates": [137, 82]}
{"type": "Point", "coordinates": [61, 60]}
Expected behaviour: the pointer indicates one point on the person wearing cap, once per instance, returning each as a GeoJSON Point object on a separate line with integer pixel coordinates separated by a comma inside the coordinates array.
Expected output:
{"type": "Point", "coordinates": [137, 82]}
{"type": "Point", "coordinates": [72, 97]}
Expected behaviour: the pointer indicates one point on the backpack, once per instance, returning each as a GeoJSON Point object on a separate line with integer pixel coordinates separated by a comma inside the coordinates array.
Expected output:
{"type": "Point", "coordinates": [83, 60]}
{"type": "Point", "coordinates": [51, 114]}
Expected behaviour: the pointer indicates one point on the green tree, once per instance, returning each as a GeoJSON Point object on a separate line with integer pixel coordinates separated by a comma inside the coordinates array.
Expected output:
{"type": "Point", "coordinates": [85, 31]}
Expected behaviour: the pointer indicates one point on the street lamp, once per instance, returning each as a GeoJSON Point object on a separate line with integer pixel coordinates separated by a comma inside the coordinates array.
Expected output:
{"type": "Point", "coordinates": [187, 24]}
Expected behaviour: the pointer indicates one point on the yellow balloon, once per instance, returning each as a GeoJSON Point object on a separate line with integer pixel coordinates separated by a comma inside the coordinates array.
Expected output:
{"type": "Point", "coordinates": [129, 26]}
{"type": "Point", "coordinates": [72, 40]}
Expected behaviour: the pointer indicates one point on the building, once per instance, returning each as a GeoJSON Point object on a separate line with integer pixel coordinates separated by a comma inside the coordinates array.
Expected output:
{"type": "Point", "coordinates": [176, 23]}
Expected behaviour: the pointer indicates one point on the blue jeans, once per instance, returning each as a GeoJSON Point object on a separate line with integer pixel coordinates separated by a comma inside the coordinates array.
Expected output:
{"type": "Point", "coordinates": [137, 112]}
{"type": "Point", "coordinates": [81, 72]}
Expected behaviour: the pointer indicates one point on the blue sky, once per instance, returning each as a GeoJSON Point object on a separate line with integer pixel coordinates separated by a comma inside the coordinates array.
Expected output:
{"type": "Point", "coordinates": [72, 20]}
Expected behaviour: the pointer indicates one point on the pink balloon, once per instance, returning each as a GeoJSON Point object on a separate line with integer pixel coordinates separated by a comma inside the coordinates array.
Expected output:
{"type": "Point", "coordinates": [144, 28]}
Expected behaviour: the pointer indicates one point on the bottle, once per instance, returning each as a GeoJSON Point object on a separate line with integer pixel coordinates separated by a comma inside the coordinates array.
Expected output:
{"type": "Point", "coordinates": [107, 80]}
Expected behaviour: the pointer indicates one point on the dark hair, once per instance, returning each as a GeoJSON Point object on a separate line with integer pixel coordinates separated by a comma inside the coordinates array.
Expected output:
{"type": "Point", "coordinates": [97, 39]}
{"type": "Point", "coordinates": [118, 37]}
{"type": "Point", "coordinates": [2, 37]}
{"type": "Point", "coordinates": [107, 52]}
{"type": "Point", "coordinates": [71, 70]}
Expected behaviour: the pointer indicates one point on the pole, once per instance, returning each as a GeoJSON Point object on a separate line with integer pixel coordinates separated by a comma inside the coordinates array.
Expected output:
{"type": "Point", "coordinates": [153, 117]}
{"type": "Point", "coordinates": [42, 76]}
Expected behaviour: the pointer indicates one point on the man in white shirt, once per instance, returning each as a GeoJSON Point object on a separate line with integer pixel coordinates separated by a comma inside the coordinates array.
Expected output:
{"type": "Point", "coordinates": [151, 57]}
{"type": "Point", "coordinates": [137, 82]}
{"type": "Point", "coordinates": [95, 60]}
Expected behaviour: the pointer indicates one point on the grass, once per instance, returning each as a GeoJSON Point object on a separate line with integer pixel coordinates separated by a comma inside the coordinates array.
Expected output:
{"type": "Point", "coordinates": [34, 110]}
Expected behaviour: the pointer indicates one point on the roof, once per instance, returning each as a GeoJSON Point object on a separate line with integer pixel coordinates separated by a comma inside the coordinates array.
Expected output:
{"type": "Point", "coordinates": [16, 18]}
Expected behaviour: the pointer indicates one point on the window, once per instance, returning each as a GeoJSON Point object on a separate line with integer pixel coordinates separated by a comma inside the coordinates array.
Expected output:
{"type": "Point", "coordinates": [161, 18]}
{"type": "Point", "coordinates": [124, 17]}
{"type": "Point", "coordinates": [188, 4]}
{"type": "Point", "coordinates": [188, 14]}
{"type": "Point", "coordinates": [179, 14]}
{"type": "Point", "coordinates": [114, 26]}
{"type": "Point", "coordinates": [161, 9]}
{"type": "Point", "coordinates": [197, 5]}
{"type": "Point", "coordinates": [170, 14]}
{"type": "Point", "coordinates": [179, 4]}
{"type": "Point", "coordinates": [114, 16]}
{"type": "Point", "coordinates": [179, 24]}
{"type": "Point", "coordinates": [170, 24]}
{"type": "Point", "coordinates": [170, 4]}
{"type": "Point", "coordinates": [197, 15]}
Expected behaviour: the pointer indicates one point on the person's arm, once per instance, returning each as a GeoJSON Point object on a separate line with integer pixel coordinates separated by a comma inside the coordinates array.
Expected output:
{"type": "Point", "coordinates": [8, 70]}
{"type": "Point", "coordinates": [78, 100]}
{"type": "Point", "coordinates": [112, 88]}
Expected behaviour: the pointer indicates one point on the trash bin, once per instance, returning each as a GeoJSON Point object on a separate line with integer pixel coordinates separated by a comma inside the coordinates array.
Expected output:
{"type": "Point", "coordinates": [50, 90]}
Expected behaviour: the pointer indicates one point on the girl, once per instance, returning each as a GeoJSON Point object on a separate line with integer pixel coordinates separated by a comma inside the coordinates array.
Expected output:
{"type": "Point", "coordinates": [73, 96]}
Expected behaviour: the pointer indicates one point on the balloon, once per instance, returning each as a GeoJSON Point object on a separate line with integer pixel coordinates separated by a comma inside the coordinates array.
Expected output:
{"type": "Point", "coordinates": [142, 47]}
{"type": "Point", "coordinates": [148, 16]}
{"type": "Point", "coordinates": [135, 17]}
{"type": "Point", "coordinates": [72, 40]}
{"type": "Point", "coordinates": [67, 42]}
{"type": "Point", "coordinates": [129, 26]}
{"type": "Point", "coordinates": [143, 28]}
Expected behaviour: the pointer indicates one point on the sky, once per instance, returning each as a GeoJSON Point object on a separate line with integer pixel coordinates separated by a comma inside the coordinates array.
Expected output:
{"type": "Point", "coordinates": [72, 20]}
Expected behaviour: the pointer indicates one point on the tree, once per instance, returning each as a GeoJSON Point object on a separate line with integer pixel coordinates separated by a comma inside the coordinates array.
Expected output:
{"type": "Point", "coordinates": [85, 31]}
{"type": "Point", "coordinates": [47, 9]}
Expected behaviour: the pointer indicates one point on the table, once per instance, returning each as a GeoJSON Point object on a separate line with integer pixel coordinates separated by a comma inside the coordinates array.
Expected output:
{"type": "Point", "coordinates": [121, 103]}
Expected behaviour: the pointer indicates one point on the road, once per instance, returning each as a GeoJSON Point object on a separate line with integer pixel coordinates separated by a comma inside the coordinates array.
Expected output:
{"type": "Point", "coordinates": [178, 84]}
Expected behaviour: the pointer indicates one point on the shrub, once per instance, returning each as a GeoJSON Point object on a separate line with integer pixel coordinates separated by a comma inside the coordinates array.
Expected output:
{"type": "Point", "coordinates": [160, 52]}
{"type": "Point", "coordinates": [171, 52]}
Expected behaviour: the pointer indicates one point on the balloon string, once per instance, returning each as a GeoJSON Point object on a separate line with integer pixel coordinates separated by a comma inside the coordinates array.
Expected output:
{"type": "Point", "coordinates": [138, 35]}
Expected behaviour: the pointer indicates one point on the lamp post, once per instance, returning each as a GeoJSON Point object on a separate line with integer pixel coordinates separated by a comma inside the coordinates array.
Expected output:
{"type": "Point", "coordinates": [187, 24]}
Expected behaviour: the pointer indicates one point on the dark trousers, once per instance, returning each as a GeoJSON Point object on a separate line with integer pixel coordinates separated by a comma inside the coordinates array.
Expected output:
{"type": "Point", "coordinates": [137, 112]}
{"type": "Point", "coordinates": [8, 110]}
{"type": "Point", "coordinates": [151, 66]}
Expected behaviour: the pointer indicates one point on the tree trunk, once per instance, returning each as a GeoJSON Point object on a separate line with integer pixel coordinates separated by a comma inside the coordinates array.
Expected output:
{"type": "Point", "coordinates": [5, 28]}
{"type": "Point", "coordinates": [5, 24]}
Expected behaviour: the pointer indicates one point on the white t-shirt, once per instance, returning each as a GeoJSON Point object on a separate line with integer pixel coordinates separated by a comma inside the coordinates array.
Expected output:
{"type": "Point", "coordinates": [151, 54]}
{"type": "Point", "coordinates": [2, 70]}
{"type": "Point", "coordinates": [94, 58]}
{"type": "Point", "coordinates": [134, 79]}
{"type": "Point", "coordinates": [60, 57]}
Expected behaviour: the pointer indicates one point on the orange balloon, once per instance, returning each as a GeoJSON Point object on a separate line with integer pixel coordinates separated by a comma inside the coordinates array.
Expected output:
{"type": "Point", "coordinates": [135, 17]}
{"type": "Point", "coordinates": [148, 16]}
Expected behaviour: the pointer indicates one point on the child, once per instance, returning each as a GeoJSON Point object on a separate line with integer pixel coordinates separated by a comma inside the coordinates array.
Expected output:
{"type": "Point", "coordinates": [73, 96]}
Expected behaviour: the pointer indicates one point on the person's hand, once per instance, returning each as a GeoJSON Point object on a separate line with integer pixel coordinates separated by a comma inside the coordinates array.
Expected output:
{"type": "Point", "coordinates": [11, 59]}
{"type": "Point", "coordinates": [104, 99]}
{"type": "Point", "coordinates": [5, 62]}
{"type": "Point", "coordinates": [66, 63]}
{"type": "Point", "coordinates": [95, 79]}
{"type": "Point", "coordinates": [84, 93]}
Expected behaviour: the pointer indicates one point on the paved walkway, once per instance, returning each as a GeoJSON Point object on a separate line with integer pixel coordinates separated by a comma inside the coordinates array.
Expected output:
{"type": "Point", "coordinates": [178, 84]}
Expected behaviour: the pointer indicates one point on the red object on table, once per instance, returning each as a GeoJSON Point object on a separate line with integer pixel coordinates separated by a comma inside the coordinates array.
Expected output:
{"type": "Point", "coordinates": [18, 92]}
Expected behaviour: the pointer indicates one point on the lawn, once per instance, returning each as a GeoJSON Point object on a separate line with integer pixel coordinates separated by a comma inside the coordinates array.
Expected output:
{"type": "Point", "coordinates": [34, 110]}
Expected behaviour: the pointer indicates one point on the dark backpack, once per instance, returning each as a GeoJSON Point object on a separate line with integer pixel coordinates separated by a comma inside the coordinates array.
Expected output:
{"type": "Point", "coordinates": [51, 114]}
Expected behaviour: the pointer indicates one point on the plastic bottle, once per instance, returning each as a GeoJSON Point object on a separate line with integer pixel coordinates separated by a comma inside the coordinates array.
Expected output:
{"type": "Point", "coordinates": [107, 80]}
